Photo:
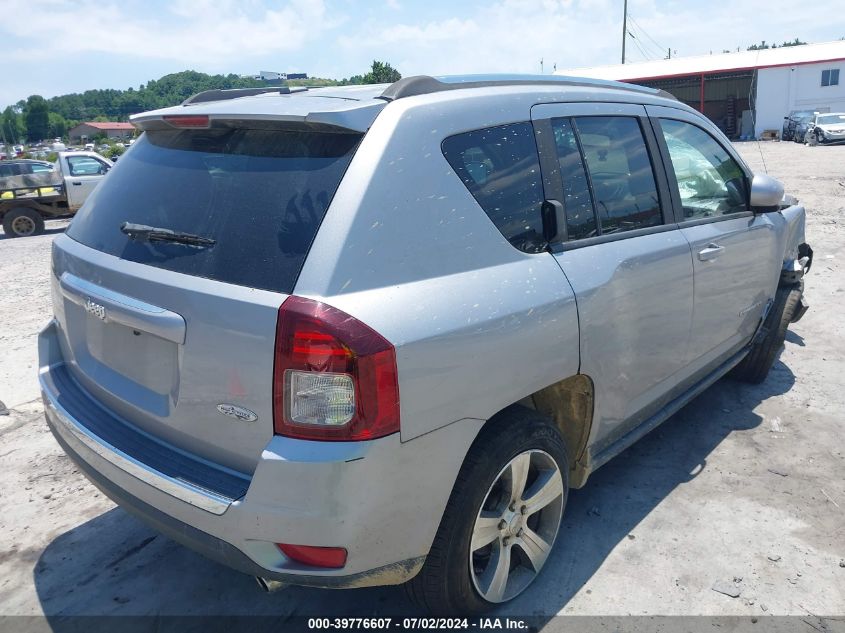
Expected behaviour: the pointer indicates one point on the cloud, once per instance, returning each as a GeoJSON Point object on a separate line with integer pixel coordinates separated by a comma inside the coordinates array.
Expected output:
{"type": "Point", "coordinates": [59, 46]}
{"type": "Point", "coordinates": [508, 36]}
{"type": "Point", "coordinates": [513, 35]}
{"type": "Point", "coordinates": [196, 32]}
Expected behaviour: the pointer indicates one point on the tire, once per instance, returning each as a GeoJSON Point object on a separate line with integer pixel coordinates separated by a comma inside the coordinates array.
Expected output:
{"type": "Point", "coordinates": [819, 138]}
{"type": "Point", "coordinates": [22, 222]}
{"type": "Point", "coordinates": [756, 365]}
{"type": "Point", "coordinates": [453, 580]}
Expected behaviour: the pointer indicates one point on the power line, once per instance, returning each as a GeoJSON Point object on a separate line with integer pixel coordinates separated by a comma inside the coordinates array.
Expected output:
{"type": "Point", "coordinates": [640, 28]}
{"type": "Point", "coordinates": [639, 47]}
{"type": "Point", "coordinates": [659, 46]}
{"type": "Point", "coordinates": [645, 44]}
{"type": "Point", "coordinates": [640, 44]}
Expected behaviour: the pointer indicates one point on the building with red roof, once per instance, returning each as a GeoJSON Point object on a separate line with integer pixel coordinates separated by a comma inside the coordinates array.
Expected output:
{"type": "Point", "coordinates": [111, 129]}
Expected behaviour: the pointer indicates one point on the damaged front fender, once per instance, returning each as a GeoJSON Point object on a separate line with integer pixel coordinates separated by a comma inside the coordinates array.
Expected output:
{"type": "Point", "coordinates": [798, 256]}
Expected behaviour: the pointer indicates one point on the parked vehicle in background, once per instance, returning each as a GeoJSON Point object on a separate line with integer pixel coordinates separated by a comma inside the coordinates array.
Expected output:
{"type": "Point", "coordinates": [31, 190]}
{"type": "Point", "coordinates": [826, 128]}
{"type": "Point", "coordinates": [801, 124]}
{"type": "Point", "coordinates": [23, 166]}
{"type": "Point", "coordinates": [790, 121]}
{"type": "Point", "coordinates": [454, 300]}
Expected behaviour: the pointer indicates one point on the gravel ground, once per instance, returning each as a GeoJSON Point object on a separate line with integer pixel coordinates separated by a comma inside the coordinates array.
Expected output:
{"type": "Point", "coordinates": [739, 493]}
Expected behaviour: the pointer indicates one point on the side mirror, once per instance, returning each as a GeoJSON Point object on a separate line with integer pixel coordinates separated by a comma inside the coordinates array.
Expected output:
{"type": "Point", "coordinates": [766, 193]}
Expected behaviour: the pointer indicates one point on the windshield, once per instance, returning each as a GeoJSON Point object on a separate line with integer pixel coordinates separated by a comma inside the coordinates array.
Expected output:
{"type": "Point", "coordinates": [259, 195]}
{"type": "Point", "coordinates": [829, 119]}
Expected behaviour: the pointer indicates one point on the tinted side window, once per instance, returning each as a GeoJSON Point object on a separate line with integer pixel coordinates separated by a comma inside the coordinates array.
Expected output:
{"type": "Point", "coordinates": [710, 182]}
{"type": "Point", "coordinates": [501, 169]}
{"type": "Point", "coordinates": [577, 202]}
{"type": "Point", "coordinates": [620, 171]}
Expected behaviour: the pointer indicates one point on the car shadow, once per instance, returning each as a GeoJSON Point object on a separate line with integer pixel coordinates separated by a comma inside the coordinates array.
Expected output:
{"type": "Point", "coordinates": [796, 339]}
{"type": "Point", "coordinates": [48, 231]}
{"type": "Point", "coordinates": [115, 565]}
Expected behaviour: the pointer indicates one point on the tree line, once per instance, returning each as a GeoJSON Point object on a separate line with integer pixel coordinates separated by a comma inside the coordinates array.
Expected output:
{"type": "Point", "coordinates": [763, 46]}
{"type": "Point", "coordinates": [37, 118]}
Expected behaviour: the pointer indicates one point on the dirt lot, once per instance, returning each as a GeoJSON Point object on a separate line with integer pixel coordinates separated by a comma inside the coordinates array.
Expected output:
{"type": "Point", "coordinates": [743, 487]}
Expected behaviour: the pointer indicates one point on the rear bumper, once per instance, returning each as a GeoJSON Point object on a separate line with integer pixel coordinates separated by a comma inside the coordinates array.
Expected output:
{"type": "Point", "coordinates": [382, 500]}
{"type": "Point", "coordinates": [217, 549]}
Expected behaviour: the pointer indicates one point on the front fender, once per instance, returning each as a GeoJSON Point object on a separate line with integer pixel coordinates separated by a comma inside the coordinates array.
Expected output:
{"type": "Point", "coordinates": [798, 255]}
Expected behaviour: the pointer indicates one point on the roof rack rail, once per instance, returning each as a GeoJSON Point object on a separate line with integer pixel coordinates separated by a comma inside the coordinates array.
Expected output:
{"type": "Point", "coordinates": [425, 84]}
{"type": "Point", "coordinates": [235, 93]}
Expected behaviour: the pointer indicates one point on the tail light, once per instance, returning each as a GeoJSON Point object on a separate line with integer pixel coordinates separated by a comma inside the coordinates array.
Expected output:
{"type": "Point", "coordinates": [334, 378]}
{"type": "Point", "coordinates": [187, 120]}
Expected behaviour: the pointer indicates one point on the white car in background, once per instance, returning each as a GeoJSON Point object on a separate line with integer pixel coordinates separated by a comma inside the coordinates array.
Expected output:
{"type": "Point", "coordinates": [826, 128]}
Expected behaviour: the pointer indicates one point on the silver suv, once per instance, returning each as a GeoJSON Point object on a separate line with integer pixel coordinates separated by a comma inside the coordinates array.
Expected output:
{"type": "Point", "coordinates": [373, 335]}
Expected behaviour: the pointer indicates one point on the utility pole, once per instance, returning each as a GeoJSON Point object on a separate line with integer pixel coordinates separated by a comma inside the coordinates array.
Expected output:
{"type": "Point", "coordinates": [624, 28]}
{"type": "Point", "coordinates": [670, 53]}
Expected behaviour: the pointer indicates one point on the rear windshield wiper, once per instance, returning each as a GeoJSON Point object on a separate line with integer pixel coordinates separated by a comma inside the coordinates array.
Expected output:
{"type": "Point", "coordinates": [146, 233]}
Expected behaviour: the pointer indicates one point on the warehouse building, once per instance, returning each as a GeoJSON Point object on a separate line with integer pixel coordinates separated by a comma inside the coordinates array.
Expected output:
{"type": "Point", "coordinates": [92, 129]}
{"type": "Point", "coordinates": [744, 93]}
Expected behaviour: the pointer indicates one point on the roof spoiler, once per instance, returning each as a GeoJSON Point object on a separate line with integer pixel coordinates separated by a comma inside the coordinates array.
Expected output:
{"type": "Point", "coordinates": [235, 93]}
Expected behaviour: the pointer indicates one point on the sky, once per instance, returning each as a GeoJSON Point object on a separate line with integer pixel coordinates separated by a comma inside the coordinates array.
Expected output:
{"type": "Point", "coordinates": [53, 47]}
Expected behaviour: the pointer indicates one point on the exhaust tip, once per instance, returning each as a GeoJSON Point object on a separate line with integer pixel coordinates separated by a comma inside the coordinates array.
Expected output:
{"type": "Point", "coordinates": [268, 585]}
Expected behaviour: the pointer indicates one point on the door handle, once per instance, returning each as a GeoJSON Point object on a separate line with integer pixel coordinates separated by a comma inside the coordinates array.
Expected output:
{"type": "Point", "coordinates": [712, 251]}
{"type": "Point", "coordinates": [76, 183]}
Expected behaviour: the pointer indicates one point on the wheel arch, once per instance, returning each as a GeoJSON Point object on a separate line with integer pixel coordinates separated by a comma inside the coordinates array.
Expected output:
{"type": "Point", "coordinates": [569, 405]}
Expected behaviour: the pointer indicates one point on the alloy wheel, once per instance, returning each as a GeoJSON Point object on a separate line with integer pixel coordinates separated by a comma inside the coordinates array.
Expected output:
{"type": "Point", "coordinates": [516, 526]}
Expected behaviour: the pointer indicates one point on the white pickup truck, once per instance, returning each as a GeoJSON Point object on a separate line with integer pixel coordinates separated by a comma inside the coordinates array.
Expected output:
{"type": "Point", "coordinates": [30, 195]}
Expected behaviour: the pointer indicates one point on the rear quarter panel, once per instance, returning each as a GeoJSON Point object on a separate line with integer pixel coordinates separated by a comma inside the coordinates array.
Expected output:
{"type": "Point", "coordinates": [477, 324]}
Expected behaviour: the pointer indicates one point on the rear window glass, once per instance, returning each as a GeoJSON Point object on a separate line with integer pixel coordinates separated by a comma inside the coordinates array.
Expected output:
{"type": "Point", "coordinates": [501, 169]}
{"type": "Point", "coordinates": [259, 194]}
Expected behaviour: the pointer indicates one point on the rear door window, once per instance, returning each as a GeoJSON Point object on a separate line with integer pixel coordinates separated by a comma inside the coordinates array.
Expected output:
{"type": "Point", "coordinates": [260, 194]}
{"type": "Point", "coordinates": [620, 172]}
{"type": "Point", "coordinates": [501, 168]}
{"type": "Point", "coordinates": [577, 201]}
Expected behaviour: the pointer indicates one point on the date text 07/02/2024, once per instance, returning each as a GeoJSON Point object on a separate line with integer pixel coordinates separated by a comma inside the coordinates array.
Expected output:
{"type": "Point", "coordinates": [417, 623]}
